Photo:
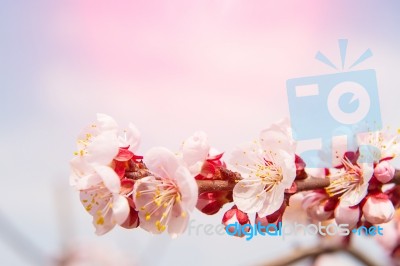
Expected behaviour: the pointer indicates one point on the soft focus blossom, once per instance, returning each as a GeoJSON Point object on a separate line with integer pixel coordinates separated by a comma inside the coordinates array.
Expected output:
{"type": "Point", "coordinates": [378, 209]}
{"type": "Point", "coordinates": [334, 259]}
{"type": "Point", "coordinates": [294, 211]}
{"type": "Point", "coordinates": [268, 168]}
{"type": "Point", "coordinates": [165, 199]}
{"type": "Point", "coordinates": [351, 182]}
{"type": "Point", "coordinates": [92, 253]}
{"type": "Point", "coordinates": [389, 239]}
{"type": "Point", "coordinates": [379, 146]}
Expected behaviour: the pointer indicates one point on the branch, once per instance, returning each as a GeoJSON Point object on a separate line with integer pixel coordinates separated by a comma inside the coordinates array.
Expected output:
{"type": "Point", "coordinates": [228, 179]}
{"type": "Point", "coordinates": [297, 256]}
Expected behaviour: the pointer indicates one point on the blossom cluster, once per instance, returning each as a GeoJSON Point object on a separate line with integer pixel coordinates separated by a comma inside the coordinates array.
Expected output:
{"type": "Point", "coordinates": [158, 190]}
{"type": "Point", "coordinates": [358, 193]}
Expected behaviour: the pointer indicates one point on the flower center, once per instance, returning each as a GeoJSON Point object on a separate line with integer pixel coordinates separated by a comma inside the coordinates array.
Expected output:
{"type": "Point", "coordinates": [165, 194]}
{"type": "Point", "coordinates": [347, 181]}
{"type": "Point", "coordinates": [98, 195]}
{"type": "Point", "coordinates": [269, 174]}
{"type": "Point", "coordinates": [83, 143]}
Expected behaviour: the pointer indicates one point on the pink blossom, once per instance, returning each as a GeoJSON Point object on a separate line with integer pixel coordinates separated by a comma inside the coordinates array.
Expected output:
{"type": "Point", "coordinates": [165, 198]}
{"type": "Point", "coordinates": [390, 238]}
{"type": "Point", "coordinates": [105, 202]}
{"type": "Point", "coordinates": [267, 167]}
{"type": "Point", "coordinates": [99, 144]}
{"type": "Point", "coordinates": [351, 182]}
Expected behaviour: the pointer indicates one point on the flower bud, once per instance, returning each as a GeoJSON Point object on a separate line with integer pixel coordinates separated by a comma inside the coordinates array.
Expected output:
{"type": "Point", "coordinates": [300, 168]}
{"type": "Point", "coordinates": [384, 172]}
{"type": "Point", "coordinates": [211, 202]}
{"type": "Point", "coordinates": [233, 216]}
{"type": "Point", "coordinates": [378, 209]}
{"type": "Point", "coordinates": [195, 150]}
{"type": "Point", "coordinates": [314, 203]}
{"type": "Point", "coordinates": [274, 218]}
{"type": "Point", "coordinates": [347, 215]}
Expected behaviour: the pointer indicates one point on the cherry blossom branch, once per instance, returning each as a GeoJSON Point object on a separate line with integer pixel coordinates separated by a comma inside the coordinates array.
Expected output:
{"type": "Point", "coordinates": [299, 255]}
{"type": "Point", "coordinates": [302, 185]}
{"type": "Point", "coordinates": [228, 180]}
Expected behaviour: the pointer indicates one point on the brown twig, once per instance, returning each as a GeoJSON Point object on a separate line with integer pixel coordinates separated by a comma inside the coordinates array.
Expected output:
{"type": "Point", "coordinates": [228, 180]}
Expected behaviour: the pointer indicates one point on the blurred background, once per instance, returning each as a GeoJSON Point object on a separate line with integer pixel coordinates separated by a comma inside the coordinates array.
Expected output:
{"type": "Point", "coordinates": [170, 67]}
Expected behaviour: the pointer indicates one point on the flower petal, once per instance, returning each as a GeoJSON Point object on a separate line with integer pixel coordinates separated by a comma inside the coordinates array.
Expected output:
{"type": "Point", "coordinates": [178, 221]}
{"type": "Point", "coordinates": [278, 137]}
{"type": "Point", "coordinates": [249, 196]}
{"type": "Point", "coordinates": [246, 157]}
{"type": "Point", "coordinates": [368, 171]}
{"type": "Point", "coordinates": [195, 149]}
{"type": "Point", "coordinates": [88, 181]}
{"type": "Point", "coordinates": [187, 187]}
{"type": "Point", "coordinates": [273, 201]}
{"type": "Point", "coordinates": [106, 122]}
{"type": "Point", "coordinates": [103, 149]}
{"type": "Point", "coordinates": [103, 224]}
{"type": "Point", "coordinates": [120, 208]}
{"type": "Point", "coordinates": [354, 197]}
{"type": "Point", "coordinates": [144, 184]}
{"type": "Point", "coordinates": [123, 155]}
{"type": "Point", "coordinates": [286, 161]}
{"type": "Point", "coordinates": [109, 177]}
{"type": "Point", "coordinates": [161, 161]}
{"type": "Point", "coordinates": [131, 138]}
{"type": "Point", "coordinates": [94, 202]}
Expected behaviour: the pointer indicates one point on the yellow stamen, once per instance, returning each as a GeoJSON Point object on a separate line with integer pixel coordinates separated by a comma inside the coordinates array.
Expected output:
{"type": "Point", "coordinates": [100, 220]}
{"type": "Point", "coordinates": [148, 216]}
